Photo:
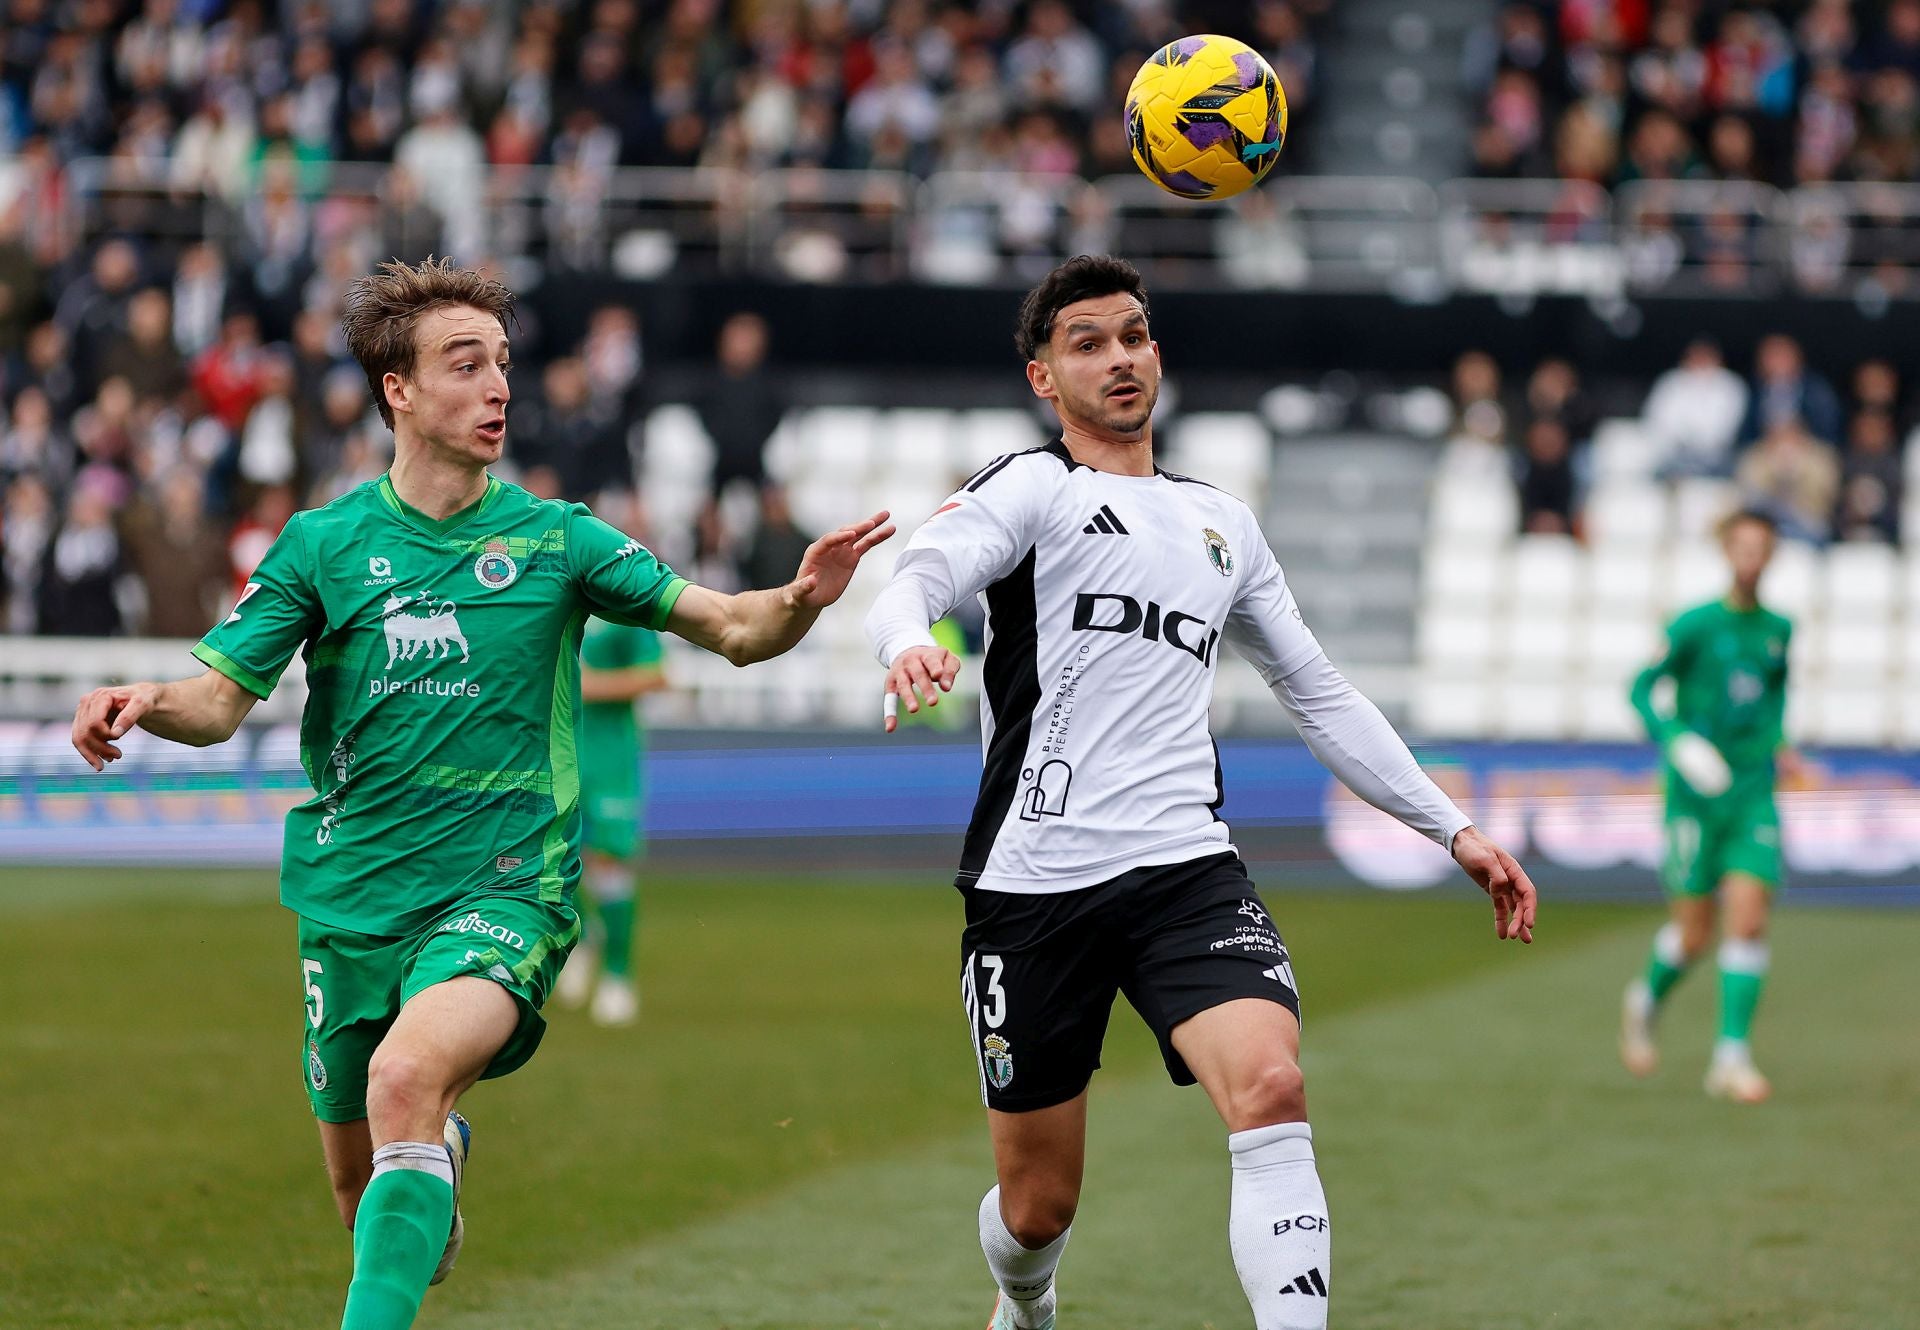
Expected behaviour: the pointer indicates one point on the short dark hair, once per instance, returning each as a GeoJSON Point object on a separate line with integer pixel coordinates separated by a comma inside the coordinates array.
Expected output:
{"type": "Point", "coordinates": [383, 307]}
{"type": "Point", "coordinates": [1748, 513]}
{"type": "Point", "coordinates": [1081, 277]}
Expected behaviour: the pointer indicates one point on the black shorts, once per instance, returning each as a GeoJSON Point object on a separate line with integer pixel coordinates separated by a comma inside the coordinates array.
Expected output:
{"type": "Point", "coordinates": [1039, 973]}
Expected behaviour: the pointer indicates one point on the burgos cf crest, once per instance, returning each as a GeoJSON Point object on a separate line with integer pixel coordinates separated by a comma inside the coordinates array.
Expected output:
{"type": "Point", "coordinates": [495, 567]}
{"type": "Point", "coordinates": [1217, 552]}
{"type": "Point", "coordinates": [998, 1055]}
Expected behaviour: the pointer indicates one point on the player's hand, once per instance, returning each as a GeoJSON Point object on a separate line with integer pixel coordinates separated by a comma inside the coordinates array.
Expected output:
{"type": "Point", "coordinates": [106, 714]}
{"type": "Point", "coordinates": [913, 676]}
{"type": "Point", "coordinates": [1501, 877]}
{"type": "Point", "coordinates": [829, 562]}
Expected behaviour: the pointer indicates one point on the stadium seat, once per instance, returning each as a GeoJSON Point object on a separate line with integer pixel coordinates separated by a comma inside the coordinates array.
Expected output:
{"type": "Point", "coordinates": [1539, 645]}
{"type": "Point", "coordinates": [1605, 715]}
{"type": "Point", "coordinates": [988, 432]}
{"type": "Point", "coordinates": [1455, 640]}
{"type": "Point", "coordinates": [1792, 579]}
{"type": "Point", "coordinates": [917, 440]}
{"type": "Point", "coordinates": [1531, 707]}
{"type": "Point", "coordinates": [1548, 573]}
{"type": "Point", "coordinates": [1852, 715]}
{"type": "Point", "coordinates": [1857, 647]}
{"type": "Point", "coordinates": [1906, 716]}
{"type": "Point", "coordinates": [1227, 443]}
{"type": "Point", "coordinates": [1623, 578]}
{"type": "Point", "coordinates": [1462, 572]}
{"type": "Point", "coordinates": [839, 440]}
{"type": "Point", "coordinates": [1616, 644]}
{"type": "Point", "coordinates": [677, 444]}
{"type": "Point", "coordinates": [1456, 707]}
{"type": "Point", "coordinates": [1486, 510]}
{"type": "Point", "coordinates": [1627, 513]}
{"type": "Point", "coordinates": [1862, 577]}
{"type": "Point", "coordinates": [1623, 450]}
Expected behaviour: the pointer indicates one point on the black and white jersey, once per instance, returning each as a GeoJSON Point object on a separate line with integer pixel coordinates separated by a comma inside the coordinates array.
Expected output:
{"type": "Point", "coordinates": [1108, 600]}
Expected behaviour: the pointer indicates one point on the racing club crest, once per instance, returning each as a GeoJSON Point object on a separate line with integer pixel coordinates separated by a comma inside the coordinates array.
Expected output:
{"type": "Point", "coordinates": [495, 567]}
{"type": "Point", "coordinates": [1217, 552]}
{"type": "Point", "coordinates": [316, 1069]}
{"type": "Point", "coordinates": [998, 1054]}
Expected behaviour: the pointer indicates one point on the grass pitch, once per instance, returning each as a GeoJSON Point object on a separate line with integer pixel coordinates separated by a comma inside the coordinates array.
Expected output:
{"type": "Point", "coordinates": [790, 1138]}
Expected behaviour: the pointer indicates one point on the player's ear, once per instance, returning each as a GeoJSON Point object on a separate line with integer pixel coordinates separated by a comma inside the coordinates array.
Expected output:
{"type": "Point", "coordinates": [397, 391]}
{"type": "Point", "coordinates": [1040, 378]}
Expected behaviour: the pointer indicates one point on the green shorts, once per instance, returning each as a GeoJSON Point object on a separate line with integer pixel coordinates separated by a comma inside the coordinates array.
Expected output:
{"type": "Point", "coordinates": [355, 985]}
{"type": "Point", "coordinates": [1710, 838]}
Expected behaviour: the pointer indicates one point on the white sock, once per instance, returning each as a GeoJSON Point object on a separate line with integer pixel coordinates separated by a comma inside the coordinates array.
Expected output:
{"type": "Point", "coordinates": [610, 884]}
{"type": "Point", "coordinates": [1282, 1243]}
{"type": "Point", "coordinates": [427, 1157]}
{"type": "Point", "coordinates": [1024, 1274]}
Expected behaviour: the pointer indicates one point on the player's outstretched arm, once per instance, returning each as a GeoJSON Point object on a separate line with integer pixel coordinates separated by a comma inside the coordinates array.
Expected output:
{"type": "Point", "coordinates": [201, 711]}
{"type": "Point", "coordinates": [1501, 877]}
{"type": "Point", "coordinates": [758, 625]}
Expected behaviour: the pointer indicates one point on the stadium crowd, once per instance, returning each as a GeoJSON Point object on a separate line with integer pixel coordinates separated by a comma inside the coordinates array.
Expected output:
{"type": "Point", "coordinates": [1615, 91]}
{"type": "Point", "coordinates": [1826, 464]}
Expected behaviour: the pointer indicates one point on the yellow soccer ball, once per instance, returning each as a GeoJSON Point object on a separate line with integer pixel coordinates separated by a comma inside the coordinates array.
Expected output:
{"type": "Point", "coordinates": [1205, 117]}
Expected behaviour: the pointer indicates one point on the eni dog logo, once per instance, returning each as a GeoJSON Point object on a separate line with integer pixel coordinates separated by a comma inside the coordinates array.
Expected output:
{"type": "Point", "coordinates": [495, 567]}
{"type": "Point", "coordinates": [436, 630]}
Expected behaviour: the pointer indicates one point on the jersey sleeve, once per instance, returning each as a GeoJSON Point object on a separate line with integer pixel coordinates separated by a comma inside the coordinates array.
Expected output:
{"type": "Point", "coordinates": [978, 536]}
{"type": "Point", "coordinates": [278, 610]}
{"type": "Point", "coordinates": [1679, 645]}
{"type": "Point", "coordinates": [619, 578]}
{"type": "Point", "coordinates": [1264, 624]}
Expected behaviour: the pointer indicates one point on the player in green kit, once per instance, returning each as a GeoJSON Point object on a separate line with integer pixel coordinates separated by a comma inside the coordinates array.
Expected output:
{"type": "Point", "coordinates": [439, 612]}
{"type": "Point", "coordinates": [619, 665]}
{"type": "Point", "coordinates": [1728, 663]}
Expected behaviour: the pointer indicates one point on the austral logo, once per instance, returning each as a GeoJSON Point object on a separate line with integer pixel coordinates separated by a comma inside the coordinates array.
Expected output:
{"type": "Point", "coordinates": [495, 567]}
{"type": "Point", "coordinates": [1110, 612]}
{"type": "Point", "coordinates": [379, 572]}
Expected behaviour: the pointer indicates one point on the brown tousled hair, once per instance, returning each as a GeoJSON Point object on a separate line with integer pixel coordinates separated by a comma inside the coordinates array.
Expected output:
{"type": "Point", "coordinates": [383, 307]}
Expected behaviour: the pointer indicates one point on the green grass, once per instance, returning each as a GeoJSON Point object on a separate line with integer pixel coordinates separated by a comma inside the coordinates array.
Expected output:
{"type": "Point", "coordinates": [791, 1139]}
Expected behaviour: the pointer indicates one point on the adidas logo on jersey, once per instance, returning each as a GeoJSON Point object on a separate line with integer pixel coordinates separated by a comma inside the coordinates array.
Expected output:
{"type": "Point", "coordinates": [1105, 523]}
{"type": "Point", "coordinates": [1310, 1284]}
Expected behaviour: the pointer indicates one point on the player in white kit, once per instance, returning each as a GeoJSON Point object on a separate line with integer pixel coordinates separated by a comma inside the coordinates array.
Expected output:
{"type": "Point", "coordinates": [1096, 862]}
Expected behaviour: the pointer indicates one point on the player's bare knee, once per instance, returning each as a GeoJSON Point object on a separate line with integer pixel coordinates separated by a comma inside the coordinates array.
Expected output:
{"type": "Point", "coordinates": [1036, 1220]}
{"type": "Point", "coordinates": [401, 1086]}
{"type": "Point", "coordinates": [1277, 1092]}
{"type": "Point", "coordinates": [1695, 936]}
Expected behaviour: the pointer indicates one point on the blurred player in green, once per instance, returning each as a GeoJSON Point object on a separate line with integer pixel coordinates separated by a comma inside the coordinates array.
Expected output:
{"type": "Point", "coordinates": [618, 666]}
{"type": "Point", "coordinates": [1719, 744]}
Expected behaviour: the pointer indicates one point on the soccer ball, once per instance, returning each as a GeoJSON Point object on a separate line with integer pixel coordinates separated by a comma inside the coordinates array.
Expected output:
{"type": "Point", "coordinates": [1205, 117]}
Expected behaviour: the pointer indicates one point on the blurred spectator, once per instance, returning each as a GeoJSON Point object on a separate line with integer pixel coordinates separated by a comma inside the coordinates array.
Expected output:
{"type": "Point", "coordinates": [741, 406]}
{"type": "Point", "coordinates": [1871, 481]}
{"type": "Point", "coordinates": [896, 98]}
{"type": "Point", "coordinates": [26, 526]}
{"type": "Point", "coordinates": [255, 532]}
{"type": "Point", "coordinates": [33, 444]}
{"type": "Point", "coordinates": [612, 355]}
{"type": "Point", "coordinates": [448, 160]}
{"type": "Point", "coordinates": [227, 375]}
{"type": "Point", "coordinates": [1794, 476]}
{"type": "Point", "coordinates": [1477, 410]}
{"type": "Point", "coordinates": [1546, 479]}
{"type": "Point", "coordinates": [79, 568]}
{"type": "Point", "coordinates": [22, 294]}
{"type": "Point", "coordinates": [773, 554]}
{"type": "Point", "coordinates": [1784, 389]}
{"type": "Point", "coordinates": [1056, 62]}
{"type": "Point", "coordinates": [1876, 387]}
{"type": "Point", "coordinates": [409, 226]}
{"type": "Point", "coordinates": [94, 307]}
{"type": "Point", "coordinates": [267, 455]}
{"type": "Point", "coordinates": [563, 433]}
{"type": "Point", "coordinates": [179, 557]}
{"type": "Point", "coordinates": [1554, 393]}
{"type": "Point", "coordinates": [1694, 412]}
{"type": "Point", "coordinates": [47, 364]}
{"type": "Point", "coordinates": [199, 298]}
{"type": "Point", "coordinates": [143, 354]}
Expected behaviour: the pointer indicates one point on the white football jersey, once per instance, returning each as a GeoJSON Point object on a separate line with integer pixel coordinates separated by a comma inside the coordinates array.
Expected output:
{"type": "Point", "coordinates": [1108, 600]}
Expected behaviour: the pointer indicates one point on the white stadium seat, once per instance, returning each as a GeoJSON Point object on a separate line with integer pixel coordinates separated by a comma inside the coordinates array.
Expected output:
{"type": "Point", "coordinates": [839, 440]}
{"type": "Point", "coordinates": [1623, 450]}
{"type": "Point", "coordinates": [1627, 513]}
{"type": "Point", "coordinates": [1532, 708]}
{"type": "Point", "coordinates": [1853, 715]}
{"type": "Point", "coordinates": [1455, 640]}
{"type": "Point", "coordinates": [1536, 645]}
{"type": "Point", "coordinates": [1698, 506]}
{"type": "Point", "coordinates": [1605, 714]}
{"type": "Point", "coordinates": [1548, 571]}
{"type": "Point", "coordinates": [1461, 571]}
{"type": "Point", "coordinates": [677, 445]}
{"type": "Point", "coordinates": [1855, 648]}
{"type": "Point", "coordinates": [1792, 580]}
{"type": "Point", "coordinates": [918, 440]}
{"type": "Point", "coordinates": [989, 432]}
{"type": "Point", "coordinates": [1863, 577]}
{"type": "Point", "coordinates": [1697, 572]}
{"type": "Point", "coordinates": [1616, 645]}
{"type": "Point", "coordinates": [1231, 443]}
{"type": "Point", "coordinates": [1452, 707]}
{"type": "Point", "coordinates": [1483, 509]}
{"type": "Point", "coordinates": [1623, 577]}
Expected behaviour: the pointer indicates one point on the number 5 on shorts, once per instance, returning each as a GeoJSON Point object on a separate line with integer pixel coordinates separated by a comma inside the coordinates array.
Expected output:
{"type": "Point", "coordinates": [316, 1001]}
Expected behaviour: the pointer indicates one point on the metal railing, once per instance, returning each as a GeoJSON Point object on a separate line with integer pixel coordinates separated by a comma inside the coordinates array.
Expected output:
{"type": "Point", "coordinates": [1331, 233]}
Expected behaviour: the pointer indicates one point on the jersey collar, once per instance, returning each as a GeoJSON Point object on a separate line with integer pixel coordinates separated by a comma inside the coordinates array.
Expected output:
{"type": "Point", "coordinates": [414, 517]}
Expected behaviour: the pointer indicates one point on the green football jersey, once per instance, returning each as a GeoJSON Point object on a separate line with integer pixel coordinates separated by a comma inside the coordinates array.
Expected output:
{"type": "Point", "coordinates": [443, 684]}
{"type": "Point", "coordinates": [613, 729]}
{"type": "Point", "coordinates": [1729, 668]}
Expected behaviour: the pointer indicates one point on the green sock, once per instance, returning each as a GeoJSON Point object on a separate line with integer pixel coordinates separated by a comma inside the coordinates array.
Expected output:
{"type": "Point", "coordinates": [614, 892]}
{"type": "Point", "coordinates": [1666, 963]}
{"type": "Point", "coordinates": [1743, 976]}
{"type": "Point", "coordinates": [398, 1235]}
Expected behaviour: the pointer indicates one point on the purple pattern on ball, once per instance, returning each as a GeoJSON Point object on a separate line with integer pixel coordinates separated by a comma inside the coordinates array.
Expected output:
{"type": "Point", "coordinates": [1206, 133]}
{"type": "Point", "coordinates": [1190, 46]}
{"type": "Point", "coordinates": [1180, 182]}
{"type": "Point", "coordinates": [1249, 65]}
